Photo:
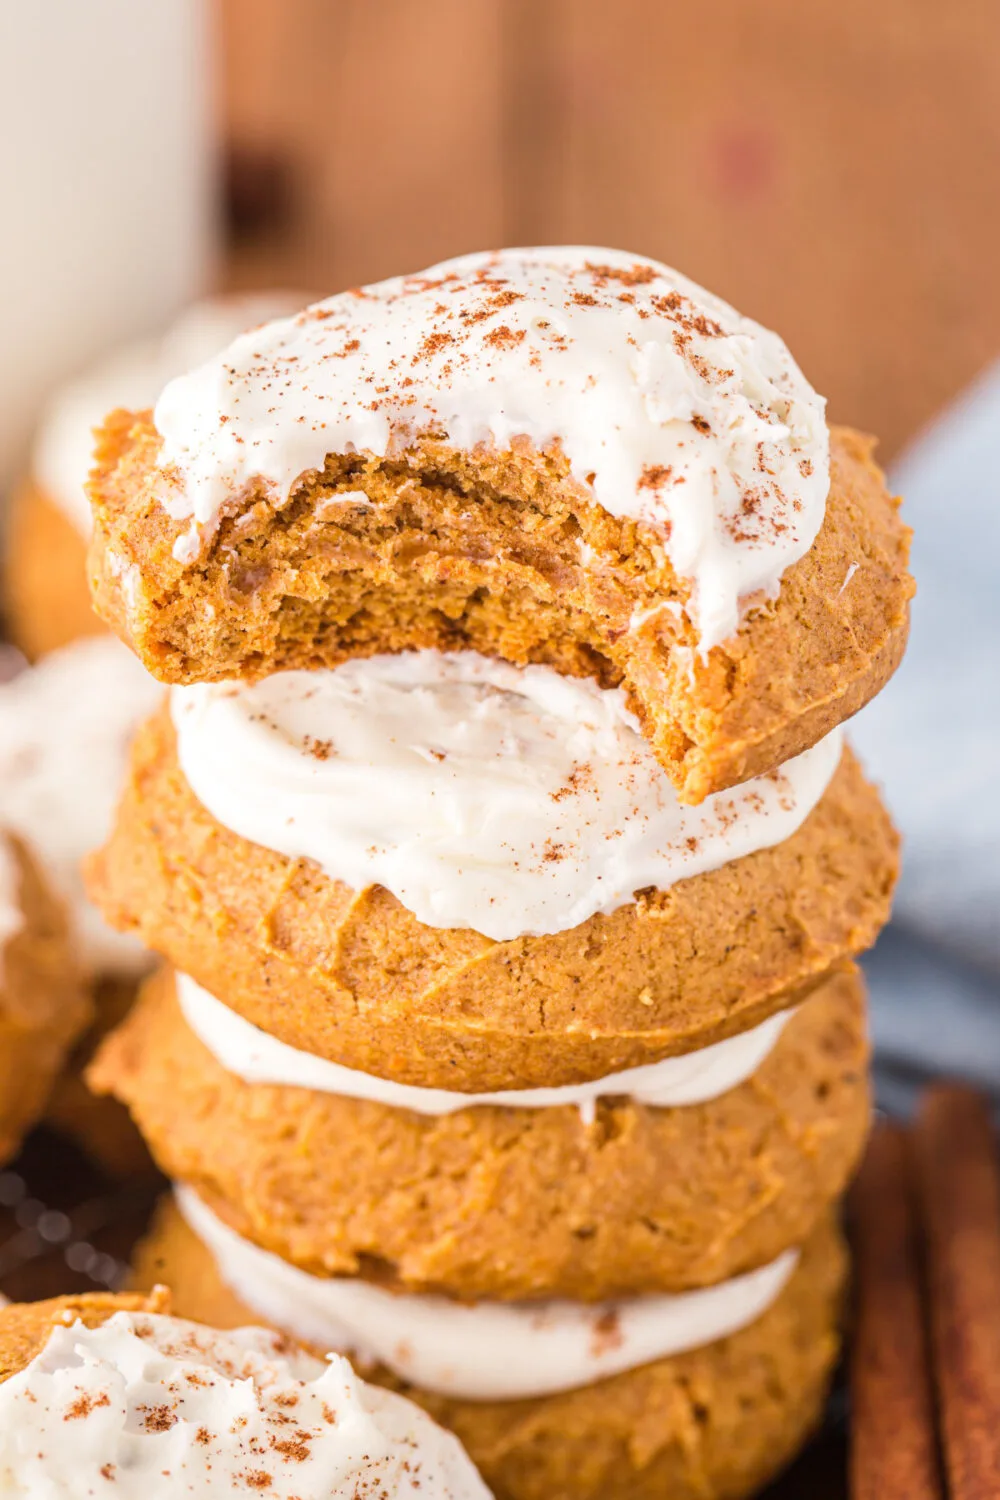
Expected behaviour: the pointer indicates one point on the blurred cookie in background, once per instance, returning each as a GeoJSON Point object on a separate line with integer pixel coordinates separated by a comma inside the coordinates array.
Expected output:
{"type": "Point", "coordinates": [101, 1127]}
{"type": "Point", "coordinates": [43, 1007]}
{"type": "Point", "coordinates": [65, 727]}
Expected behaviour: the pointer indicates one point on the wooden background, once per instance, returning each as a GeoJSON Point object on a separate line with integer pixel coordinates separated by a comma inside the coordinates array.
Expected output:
{"type": "Point", "coordinates": [830, 166]}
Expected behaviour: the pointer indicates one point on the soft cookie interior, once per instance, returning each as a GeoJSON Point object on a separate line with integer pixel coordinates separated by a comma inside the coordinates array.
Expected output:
{"type": "Point", "coordinates": [504, 552]}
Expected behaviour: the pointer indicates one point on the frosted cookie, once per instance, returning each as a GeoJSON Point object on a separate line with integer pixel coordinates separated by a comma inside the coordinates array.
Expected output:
{"type": "Point", "coordinates": [716, 1419]}
{"type": "Point", "coordinates": [65, 725]}
{"type": "Point", "coordinates": [43, 1007]}
{"type": "Point", "coordinates": [25, 1326]}
{"type": "Point", "coordinates": [351, 974]}
{"type": "Point", "coordinates": [113, 1391]}
{"type": "Point", "coordinates": [564, 455]}
{"type": "Point", "coordinates": [591, 1199]}
{"type": "Point", "coordinates": [46, 594]}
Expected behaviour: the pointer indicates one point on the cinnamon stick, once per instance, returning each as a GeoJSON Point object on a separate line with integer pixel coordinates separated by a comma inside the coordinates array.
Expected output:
{"type": "Point", "coordinates": [893, 1442]}
{"type": "Point", "coordinates": [958, 1182]}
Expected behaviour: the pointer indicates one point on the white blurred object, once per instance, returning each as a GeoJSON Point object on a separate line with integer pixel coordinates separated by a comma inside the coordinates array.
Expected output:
{"type": "Point", "coordinates": [108, 169]}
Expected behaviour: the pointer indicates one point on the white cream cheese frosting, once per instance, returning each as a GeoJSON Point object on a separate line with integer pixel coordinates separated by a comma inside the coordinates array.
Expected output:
{"type": "Point", "coordinates": [256, 1057]}
{"type": "Point", "coordinates": [511, 800]}
{"type": "Point", "coordinates": [668, 404]}
{"type": "Point", "coordinates": [485, 1351]}
{"type": "Point", "coordinates": [65, 725]}
{"type": "Point", "coordinates": [149, 1407]}
{"type": "Point", "coordinates": [133, 377]}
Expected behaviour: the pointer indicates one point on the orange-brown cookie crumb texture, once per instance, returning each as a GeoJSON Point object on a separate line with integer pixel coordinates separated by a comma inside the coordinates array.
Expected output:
{"type": "Point", "coordinates": [46, 594]}
{"type": "Point", "coordinates": [509, 1203]}
{"type": "Point", "coordinates": [504, 552]}
{"type": "Point", "coordinates": [711, 1424]}
{"type": "Point", "coordinates": [43, 1006]}
{"type": "Point", "coordinates": [354, 977]}
{"type": "Point", "coordinates": [25, 1326]}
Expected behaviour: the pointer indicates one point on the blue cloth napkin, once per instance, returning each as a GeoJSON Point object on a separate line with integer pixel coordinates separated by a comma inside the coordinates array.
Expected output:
{"type": "Point", "coordinates": [932, 740]}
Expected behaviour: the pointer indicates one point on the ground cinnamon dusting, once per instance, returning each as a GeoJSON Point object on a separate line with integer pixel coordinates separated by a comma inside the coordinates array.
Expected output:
{"type": "Point", "coordinates": [158, 1418]}
{"type": "Point", "coordinates": [296, 1448]}
{"type": "Point", "coordinates": [655, 475]}
{"type": "Point", "coordinates": [637, 275]}
{"type": "Point", "coordinates": [504, 337]}
{"type": "Point", "coordinates": [84, 1405]}
{"type": "Point", "coordinates": [607, 1335]}
{"type": "Point", "coordinates": [578, 780]}
{"type": "Point", "coordinates": [318, 749]}
{"type": "Point", "coordinates": [433, 344]}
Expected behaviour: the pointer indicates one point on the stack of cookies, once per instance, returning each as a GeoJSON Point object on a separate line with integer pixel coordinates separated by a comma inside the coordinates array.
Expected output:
{"type": "Point", "coordinates": [508, 861]}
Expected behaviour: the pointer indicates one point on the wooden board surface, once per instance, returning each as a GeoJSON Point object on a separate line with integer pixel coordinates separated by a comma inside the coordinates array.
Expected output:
{"type": "Point", "coordinates": [829, 167]}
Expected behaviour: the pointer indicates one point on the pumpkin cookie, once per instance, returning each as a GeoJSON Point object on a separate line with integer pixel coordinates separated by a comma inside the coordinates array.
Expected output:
{"type": "Point", "coordinates": [43, 1006]}
{"type": "Point", "coordinates": [565, 456]}
{"type": "Point", "coordinates": [25, 1326]}
{"type": "Point", "coordinates": [354, 977]}
{"type": "Point", "coordinates": [64, 730]}
{"type": "Point", "coordinates": [46, 597]}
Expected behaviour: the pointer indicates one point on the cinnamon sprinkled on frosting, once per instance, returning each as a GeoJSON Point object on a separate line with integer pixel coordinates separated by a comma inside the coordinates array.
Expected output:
{"type": "Point", "coordinates": [133, 376]}
{"type": "Point", "coordinates": [669, 406]}
{"type": "Point", "coordinates": [511, 800]}
{"type": "Point", "coordinates": [147, 1406]}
